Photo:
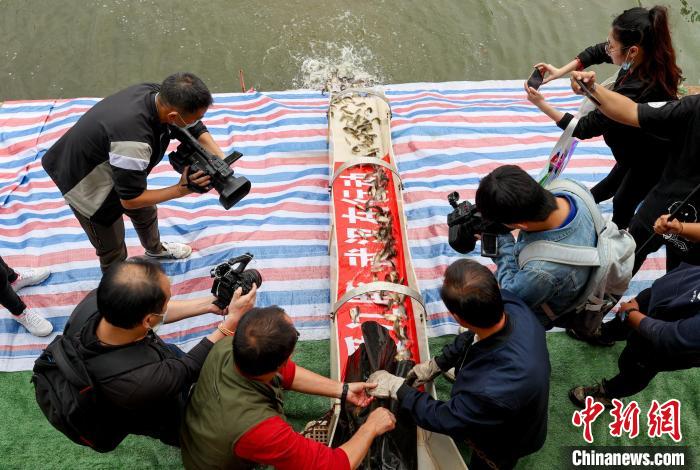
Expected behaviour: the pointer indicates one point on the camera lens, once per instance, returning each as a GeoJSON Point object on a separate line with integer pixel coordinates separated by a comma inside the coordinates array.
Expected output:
{"type": "Point", "coordinates": [248, 278]}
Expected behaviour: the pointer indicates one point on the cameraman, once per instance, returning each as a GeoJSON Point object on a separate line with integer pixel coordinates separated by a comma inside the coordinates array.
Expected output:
{"type": "Point", "coordinates": [130, 303]}
{"type": "Point", "coordinates": [101, 164]}
{"type": "Point", "coordinates": [508, 195]}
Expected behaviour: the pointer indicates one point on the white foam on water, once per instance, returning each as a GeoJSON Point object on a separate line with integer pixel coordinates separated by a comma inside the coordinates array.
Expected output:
{"type": "Point", "coordinates": [337, 61]}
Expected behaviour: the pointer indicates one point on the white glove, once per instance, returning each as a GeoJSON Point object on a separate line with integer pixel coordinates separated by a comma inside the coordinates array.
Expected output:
{"type": "Point", "coordinates": [423, 373]}
{"type": "Point", "coordinates": [387, 384]}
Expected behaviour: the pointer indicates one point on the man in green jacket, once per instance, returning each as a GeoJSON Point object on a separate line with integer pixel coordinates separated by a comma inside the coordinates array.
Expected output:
{"type": "Point", "coordinates": [235, 418]}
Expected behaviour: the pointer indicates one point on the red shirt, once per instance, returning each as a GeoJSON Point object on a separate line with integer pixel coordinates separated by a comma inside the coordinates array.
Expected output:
{"type": "Point", "coordinates": [274, 442]}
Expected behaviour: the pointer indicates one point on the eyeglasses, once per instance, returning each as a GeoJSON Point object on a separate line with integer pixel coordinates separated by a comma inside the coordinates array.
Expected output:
{"type": "Point", "coordinates": [609, 50]}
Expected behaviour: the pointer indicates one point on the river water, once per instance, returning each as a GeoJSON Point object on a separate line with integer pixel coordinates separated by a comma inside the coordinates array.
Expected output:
{"type": "Point", "coordinates": [70, 48]}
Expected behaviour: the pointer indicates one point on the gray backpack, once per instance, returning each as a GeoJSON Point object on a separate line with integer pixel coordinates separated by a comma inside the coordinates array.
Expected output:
{"type": "Point", "coordinates": [612, 261]}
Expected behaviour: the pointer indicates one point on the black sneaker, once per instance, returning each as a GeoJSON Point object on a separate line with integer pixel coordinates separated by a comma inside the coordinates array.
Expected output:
{"type": "Point", "coordinates": [597, 339]}
{"type": "Point", "coordinates": [578, 395]}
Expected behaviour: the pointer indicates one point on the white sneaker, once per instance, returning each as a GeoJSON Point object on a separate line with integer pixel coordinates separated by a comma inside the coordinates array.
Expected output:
{"type": "Point", "coordinates": [30, 277]}
{"type": "Point", "coordinates": [34, 323]}
{"type": "Point", "coordinates": [172, 250]}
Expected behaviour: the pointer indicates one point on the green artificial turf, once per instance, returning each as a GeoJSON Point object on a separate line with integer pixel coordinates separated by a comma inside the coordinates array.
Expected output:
{"type": "Point", "coordinates": [27, 440]}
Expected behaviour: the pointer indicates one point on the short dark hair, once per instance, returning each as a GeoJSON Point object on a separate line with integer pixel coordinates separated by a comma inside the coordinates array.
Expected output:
{"type": "Point", "coordinates": [264, 340]}
{"type": "Point", "coordinates": [509, 195]}
{"type": "Point", "coordinates": [129, 291]}
{"type": "Point", "coordinates": [471, 292]}
{"type": "Point", "coordinates": [186, 92]}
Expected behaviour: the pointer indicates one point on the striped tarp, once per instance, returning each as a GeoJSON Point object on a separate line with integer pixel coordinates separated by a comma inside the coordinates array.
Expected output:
{"type": "Point", "coordinates": [446, 136]}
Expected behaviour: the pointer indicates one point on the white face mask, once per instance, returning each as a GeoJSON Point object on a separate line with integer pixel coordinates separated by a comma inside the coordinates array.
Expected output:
{"type": "Point", "coordinates": [159, 324]}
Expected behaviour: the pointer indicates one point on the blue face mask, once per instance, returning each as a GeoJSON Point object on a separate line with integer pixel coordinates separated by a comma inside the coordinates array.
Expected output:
{"type": "Point", "coordinates": [185, 125]}
{"type": "Point", "coordinates": [626, 64]}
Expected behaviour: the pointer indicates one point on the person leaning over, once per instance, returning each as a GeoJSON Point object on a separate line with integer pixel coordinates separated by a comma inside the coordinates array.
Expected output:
{"type": "Point", "coordinates": [508, 195]}
{"type": "Point", "coordinates": [499, 400]}
{"type": "Point", "coordinates": [235, 418]}
{"type": "Point", "coordinates": [101, 164]}
{"type": "Point", "coordinates": [121, 316]}
{"type": "Point", "coordinates": [640, 43]}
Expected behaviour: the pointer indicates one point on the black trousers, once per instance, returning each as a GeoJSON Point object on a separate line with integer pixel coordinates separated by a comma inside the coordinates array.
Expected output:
{"type": "Point", "coordinates": [640, 362]}
{"type": "Point", "coordinates": [628, 186]}
{"type": "Point", "coordinates": [8, 297]}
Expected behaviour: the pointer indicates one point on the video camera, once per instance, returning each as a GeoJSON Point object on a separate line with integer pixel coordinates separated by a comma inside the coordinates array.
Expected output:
{"type": "Point", "coordinates": [465, 221]}
{"type": "Point", "coordinates": [230, 275]}
{"type": "Point", "coordinates": [190, 153]}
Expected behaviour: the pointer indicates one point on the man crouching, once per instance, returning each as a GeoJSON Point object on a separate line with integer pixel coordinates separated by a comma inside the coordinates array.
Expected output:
{"type": "Point", "coordinates": [235, 418]}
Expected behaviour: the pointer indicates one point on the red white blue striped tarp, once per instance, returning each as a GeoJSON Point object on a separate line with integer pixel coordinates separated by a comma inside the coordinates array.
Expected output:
{"type": "Point", "coordinates": [445, 135]}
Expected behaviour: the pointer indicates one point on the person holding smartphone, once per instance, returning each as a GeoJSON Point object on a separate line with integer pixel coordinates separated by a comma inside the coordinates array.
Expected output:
{"type": "Point", "coordinates": [640, 43]}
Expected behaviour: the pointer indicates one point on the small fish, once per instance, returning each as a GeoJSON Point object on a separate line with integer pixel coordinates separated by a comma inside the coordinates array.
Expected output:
{"type": "Point", "coordinates": [355, 314]}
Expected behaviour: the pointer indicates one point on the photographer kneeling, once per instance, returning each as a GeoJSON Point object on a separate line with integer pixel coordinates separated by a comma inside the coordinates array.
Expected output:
{"type": "Point", "coordinates": [508, 195]}
{"type": "Point", "coordinates": [141, 382]}
{"type": "Point", "coordinates": [235, 418]}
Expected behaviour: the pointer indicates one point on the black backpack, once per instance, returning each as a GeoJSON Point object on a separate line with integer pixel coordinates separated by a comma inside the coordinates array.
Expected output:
{"type": "Point", "coordinates": [67, 394]}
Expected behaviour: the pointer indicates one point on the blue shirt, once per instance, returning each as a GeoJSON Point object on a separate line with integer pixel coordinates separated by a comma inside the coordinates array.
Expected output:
{"type": "Point", "coordinates": [545, 282]}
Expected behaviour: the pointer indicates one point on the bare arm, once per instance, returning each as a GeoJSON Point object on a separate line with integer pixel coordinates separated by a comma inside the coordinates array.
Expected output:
{"type": "Point", "coordinates": [306, 381]}
{"type": "Point", "coordinates": [181, 309]}
{"type": "Point", "coordinates": [552, 73]}
{"type": "Point", "coordinates": [614, 105]}
{"type": "Point", "coordinates": [379, 421]}
{"type": "Point", "coordinates": [688, 230]}
{"type": "Point", "coordinates": [536, 98]}
{"type": "Point", "coordinates": [208, 143]}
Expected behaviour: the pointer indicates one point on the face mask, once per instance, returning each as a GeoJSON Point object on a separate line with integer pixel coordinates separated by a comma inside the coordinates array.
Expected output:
{"type": "Point", "coordinates": [186, 126]}
{"type": "Point", "coordinates": [162, 321]}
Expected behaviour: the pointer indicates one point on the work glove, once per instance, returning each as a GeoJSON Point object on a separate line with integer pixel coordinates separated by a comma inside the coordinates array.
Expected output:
{"type": "Point", "coordinates": [423, 373]}
{"type": "Point", "coordinates": [387, 384]}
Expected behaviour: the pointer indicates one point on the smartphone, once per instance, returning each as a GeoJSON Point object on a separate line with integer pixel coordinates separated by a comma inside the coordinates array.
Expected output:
{"type": "Point", "coordinates": [535, 79]}
{"type": "Point", "coordinates": [587, 92]}
{"type": "Point", "coordinates": [489, 245]}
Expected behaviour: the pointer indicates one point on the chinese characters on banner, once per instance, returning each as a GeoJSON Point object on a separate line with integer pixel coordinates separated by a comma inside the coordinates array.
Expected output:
{"type": "Point", "coordinates": [662, 419]}
{"type": "Point", "coordinates": [356, 227]}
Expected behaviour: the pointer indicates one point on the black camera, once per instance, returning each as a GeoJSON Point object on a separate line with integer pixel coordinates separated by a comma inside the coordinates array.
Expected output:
{"type": "Point", "coordinates": [190, 153]}
{"type": "Point", "coordinates": [465, 222]}
{"type": "Point", "coordinates": [231, 275]}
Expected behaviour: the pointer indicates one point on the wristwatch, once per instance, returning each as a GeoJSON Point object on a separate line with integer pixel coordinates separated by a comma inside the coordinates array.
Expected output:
{"type": "Point", "coordinates": [624, 315]}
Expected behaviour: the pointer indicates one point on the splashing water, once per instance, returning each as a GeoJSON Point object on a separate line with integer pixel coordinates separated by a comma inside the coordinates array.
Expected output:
{"type": "Point", "coordinates": [336, 64]}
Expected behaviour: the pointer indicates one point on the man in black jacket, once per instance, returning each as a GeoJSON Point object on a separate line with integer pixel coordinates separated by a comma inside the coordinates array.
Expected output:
{"type": "Point", "coordinates": [130, 303]}
{"type": "Point", "coordinates": [499, 400]}
{"type": "Point", "coordinates": [101, 164]}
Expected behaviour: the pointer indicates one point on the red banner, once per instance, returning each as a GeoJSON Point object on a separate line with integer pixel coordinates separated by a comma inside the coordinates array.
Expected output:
{"type": "Point", "coordinates": [370, 248]}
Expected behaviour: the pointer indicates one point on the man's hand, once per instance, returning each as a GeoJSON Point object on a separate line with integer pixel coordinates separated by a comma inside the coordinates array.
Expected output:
{"type": "Point", "coordinates": [200, 179]}
{"type": "Point", "coordinates": [423, 373]}
{"type": "Point", "coordinates": [588, 78]}
{"type": "Point", "coordinates": [357, 393]}
{"type": "Point", "coordinates": [380, 421]}
{"type": "Point", "coordinates": [387, 384]}
{"type": "Point", "coordinates": [632, 303]}
{"type": "Point", "coordinates": [240, 304]}
{"type": "Point", "coordinates": [663, 225]}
